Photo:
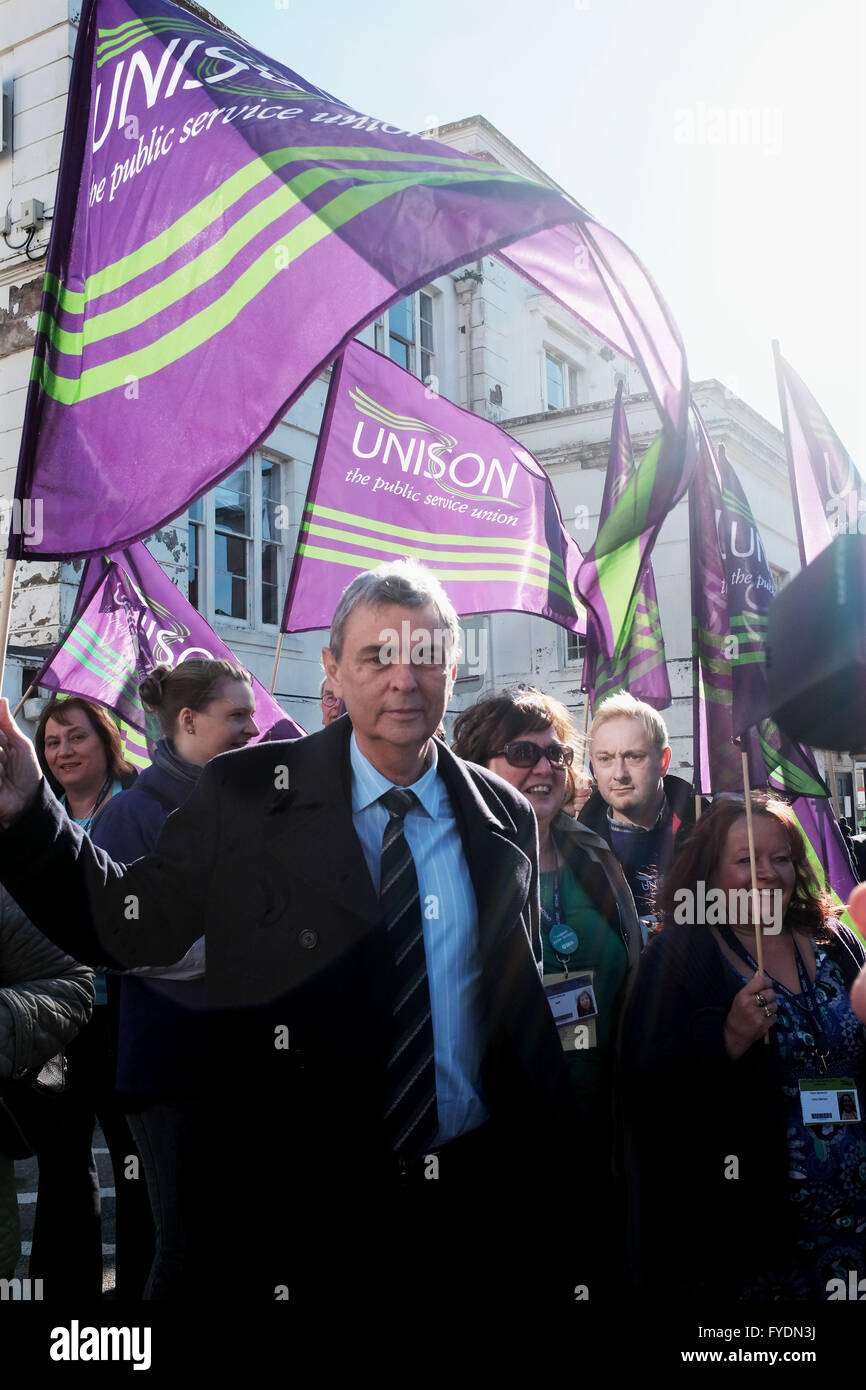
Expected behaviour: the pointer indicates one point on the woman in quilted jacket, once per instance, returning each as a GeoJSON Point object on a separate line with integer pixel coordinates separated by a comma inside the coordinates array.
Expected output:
{"type": "Point", "coordinates": [45, 999]}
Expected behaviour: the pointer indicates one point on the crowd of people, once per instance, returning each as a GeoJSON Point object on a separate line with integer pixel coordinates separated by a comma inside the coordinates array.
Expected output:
{"type": "Point", "coordinates": [465, 1007]}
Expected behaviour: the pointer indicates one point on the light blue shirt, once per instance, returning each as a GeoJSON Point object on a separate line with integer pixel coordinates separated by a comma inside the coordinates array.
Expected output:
{"type": "Point", "coordinates": [450, 922]}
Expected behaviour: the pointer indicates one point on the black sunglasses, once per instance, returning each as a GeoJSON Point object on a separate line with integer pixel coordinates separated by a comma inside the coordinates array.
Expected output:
{"type": "Point", "coordinates": [522, 753]}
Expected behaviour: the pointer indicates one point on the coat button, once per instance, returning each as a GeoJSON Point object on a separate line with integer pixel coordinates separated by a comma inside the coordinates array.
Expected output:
{"type": "Point", "coordinates": [308, 939]}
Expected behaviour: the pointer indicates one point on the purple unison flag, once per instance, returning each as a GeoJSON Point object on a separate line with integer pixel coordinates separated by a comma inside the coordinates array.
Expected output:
{"type": "Point", "coordinates": [732, 586]}
{"type": "Point", "coordinates": [401, 471]}
{"type": "Point", "coordinates": [730, 590]}
{"type": "Point", "coordinates": [223, 229]}
{"type": "Point", "coordinates": [128, 618]}
{"type": "Point", "coordinates": [639, 666]}
{"type": "Point", "coordinates": [828, 493]}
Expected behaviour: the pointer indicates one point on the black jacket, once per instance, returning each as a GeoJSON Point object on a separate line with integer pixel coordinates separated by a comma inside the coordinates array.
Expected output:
{"type": "Point", "coordinates": [689, 1111]}
{"type": "Point", "coordinates": [264, 858]}
{"type": "Point", "coordinates": [162, 1027]}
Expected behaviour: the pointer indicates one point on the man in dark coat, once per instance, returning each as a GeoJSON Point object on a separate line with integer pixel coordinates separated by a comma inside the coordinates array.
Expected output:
{"type": "Point", "coordinates": [638, 807]}
{"type": "Point", "coordinates": [276, 855]}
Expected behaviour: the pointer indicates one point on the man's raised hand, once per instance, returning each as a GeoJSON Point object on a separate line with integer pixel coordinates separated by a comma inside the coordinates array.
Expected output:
{"type": "Point", "coordinates": [20, 773]}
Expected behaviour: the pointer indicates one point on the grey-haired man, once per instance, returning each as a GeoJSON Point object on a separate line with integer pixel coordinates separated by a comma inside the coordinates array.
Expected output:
{"type": "Point", "coordinates": [293, 863]}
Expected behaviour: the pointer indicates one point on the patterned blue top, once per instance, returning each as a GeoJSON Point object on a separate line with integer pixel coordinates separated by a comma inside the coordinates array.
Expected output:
{"type": "Point", "coordinates": [827, 1163]}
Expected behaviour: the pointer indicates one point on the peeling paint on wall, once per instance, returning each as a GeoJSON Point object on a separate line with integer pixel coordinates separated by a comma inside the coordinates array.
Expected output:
{"type": "Point", "coordinates": [18, 322]}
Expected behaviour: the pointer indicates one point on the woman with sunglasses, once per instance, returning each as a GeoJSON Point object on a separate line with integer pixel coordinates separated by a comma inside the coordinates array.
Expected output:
{"type": "Point", "coordinates": [589, 926]}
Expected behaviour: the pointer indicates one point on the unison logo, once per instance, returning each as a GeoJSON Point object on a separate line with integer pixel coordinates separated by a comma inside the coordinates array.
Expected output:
{"type": "Point", "coordinates": [419, 447]}
{"type": "Point", "coordinates": [218, 65]}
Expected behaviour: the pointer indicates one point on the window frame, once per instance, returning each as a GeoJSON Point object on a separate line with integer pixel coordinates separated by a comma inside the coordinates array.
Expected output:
{"type": "Point", "coordinates": [416, 351]}
{"type": "Point", "coordinates": [570, 378]}
{"type": "Point", "coordinates": [206, 531]}
{"type": "Point", "coordinates": [572, 662]}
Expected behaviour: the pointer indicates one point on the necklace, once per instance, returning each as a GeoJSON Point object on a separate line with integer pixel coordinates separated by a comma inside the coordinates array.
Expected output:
{"type": "Point", "coordinates": [87, 820]}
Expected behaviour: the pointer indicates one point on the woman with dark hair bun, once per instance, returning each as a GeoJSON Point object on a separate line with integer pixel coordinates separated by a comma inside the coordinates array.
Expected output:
{"type": "Point", "coordinates": [204, 708]}
{"type": "Point", "coordinates": [758, 1192]}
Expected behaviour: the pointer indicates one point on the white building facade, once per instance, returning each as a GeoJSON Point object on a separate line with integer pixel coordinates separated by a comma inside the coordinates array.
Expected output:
{"type": "Point", "coordinates": [482, 336]}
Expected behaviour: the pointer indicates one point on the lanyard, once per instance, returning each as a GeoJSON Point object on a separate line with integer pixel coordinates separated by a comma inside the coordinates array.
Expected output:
{"type": "Point", "coordinates": [563, 941]}
{"type": "Point", "coordinates": [551, 918]}
{"type": "Point", "coordinates": [807, 1000]}
{"type": "Point", "coordinates": [87, 821]}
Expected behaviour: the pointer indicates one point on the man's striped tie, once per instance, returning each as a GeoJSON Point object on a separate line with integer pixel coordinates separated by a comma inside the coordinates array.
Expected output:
{"type": "Point", "coordinates": [411, 1117]}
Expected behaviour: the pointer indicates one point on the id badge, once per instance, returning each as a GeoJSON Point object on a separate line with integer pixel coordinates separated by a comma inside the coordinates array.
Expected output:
{"type": "Point", "coordinates": [574, 1007]}
{"type": "Point", "coordinates": [829, 1100]}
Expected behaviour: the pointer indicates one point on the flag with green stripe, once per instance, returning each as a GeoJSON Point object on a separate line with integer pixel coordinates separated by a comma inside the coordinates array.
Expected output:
{"type": "Point", "coordinates": [732, 585]}
{"type": "Point", "coordinates": [129, 618]}
{"type": "Point", "coordinates": [610, 576]}
{"type": "Point", "coordinates": [636, 662]}
{"type": "Point", "coordinates": [731, 588]}
{"type": "Point", "coordinates": [401, 471]}
{"type": "Point", "coordinates": [223, 228]}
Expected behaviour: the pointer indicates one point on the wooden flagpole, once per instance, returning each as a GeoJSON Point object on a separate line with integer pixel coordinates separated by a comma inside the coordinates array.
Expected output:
{"type": "Point", "coordinates": [6, 612]}
{"type": "Point", "coordinates": [756, 900]}
{"type": "Point", "coordinates": [585, 728]}
{"type": "Point", "coordinates": [830, 760]}
{"type": "Point", "coordinates": [276, 664]}
{"type": "Point", "coordinates": [24, 698]}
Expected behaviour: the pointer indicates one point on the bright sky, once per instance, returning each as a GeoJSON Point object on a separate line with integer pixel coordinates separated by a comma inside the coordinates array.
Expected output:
{"type": "Point", "coordinates": [618, 101]}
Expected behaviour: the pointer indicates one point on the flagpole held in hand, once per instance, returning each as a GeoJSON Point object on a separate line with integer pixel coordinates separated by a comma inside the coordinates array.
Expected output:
{"type": "Point", "coordinates": [756, 901]}
{"type": "Point", "coordinates": [6, 612]}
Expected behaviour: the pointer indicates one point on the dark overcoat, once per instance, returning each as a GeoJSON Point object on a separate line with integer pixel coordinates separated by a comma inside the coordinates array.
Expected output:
{"type": "Point", "coordinates": [264, 859]}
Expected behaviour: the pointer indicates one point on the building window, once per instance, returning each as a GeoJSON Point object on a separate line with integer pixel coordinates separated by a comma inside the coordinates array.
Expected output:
{"type": "Point", "coordinates": [272, 545]}
{"type": "Point", "coordinates": [232, 537]}
{"type": "Point", "coordinates": [409, 327]}
{"type": "Point", "coordinates": [574, 647]}
{"type": "Point", "coordinates": [425, 324]}
{"type": "Point", "coordinates": [237, 562]}
{"type": "Point", "coordinates": [196, 548]}
{"type": "Point", "coordinates": [780, 577]}
{"type": "Point", "coordinates": [560, 378]}
{"type": "Point", "coordinates": [475, 642]}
